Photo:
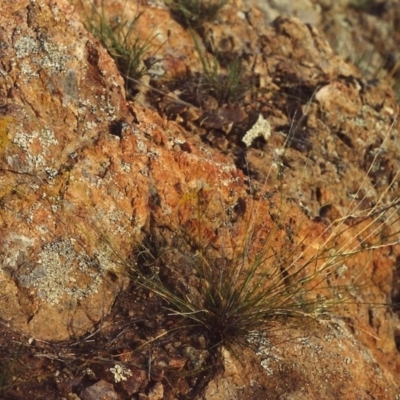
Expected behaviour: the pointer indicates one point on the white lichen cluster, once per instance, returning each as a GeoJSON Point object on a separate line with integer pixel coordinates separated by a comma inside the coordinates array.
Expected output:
{"type": "Point", "coordinates": [56, 274]}
{"type": "Point", "coordinates": [28, 72]}
{"type": "Point", "coordinates": [25, 46]}
{"type": "Point", "coordinates": [126, 167]}
{"type": "Point", "coordinates": [261, 128]}
{"type": "Point", "coordinates": [23, 140]}
{"type": "Point", "coordinates": [260, 342]}
{"type": "Point", "coordinates": [120, 373]}
{"type": "Point", "coordinates": [46, 139]}
{"type": "Point", "coordinates": [49, 56]}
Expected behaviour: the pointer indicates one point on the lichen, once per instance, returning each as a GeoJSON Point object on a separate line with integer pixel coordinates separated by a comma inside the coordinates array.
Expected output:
{"type": "Point", "coordinates": [261, 128]}
{"type": "Point", "coordinates": [46, 139]}
{"type": "Point", "coordinates": [120, 373]}
{"type": "Point", "coordinates": [52, 57]}
{"type": "Point", "coordinates": [25, 46]}
{"type": "Point", "coordinates": [62, 271]}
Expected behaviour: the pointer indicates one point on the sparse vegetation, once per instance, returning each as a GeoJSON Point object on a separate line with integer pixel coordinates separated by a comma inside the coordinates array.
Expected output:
{"type": "Point", "coordinates": [225, 87]}
{"type": "Point", "coordinates": [228, 289]}
{"type": "Point", "coordinates": [225, 84]}
{"type": "Point", "coordinates": [120, 39]}
{"type": "Point", "coordinates": [202, 285]}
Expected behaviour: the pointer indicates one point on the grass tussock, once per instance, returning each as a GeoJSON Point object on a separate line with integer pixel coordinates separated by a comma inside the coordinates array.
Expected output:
{"type": "Point", "coordinates": [225, 85]}
{"type": "Point", "coordinates": [118, 36]}
{"type": "Point", "coordinates": [228, 284]}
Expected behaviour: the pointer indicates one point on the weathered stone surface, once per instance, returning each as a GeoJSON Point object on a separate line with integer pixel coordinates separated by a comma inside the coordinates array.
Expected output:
{"type": "Point", "coordinates": [101, 390]}
{"type": "Point", "coordinates": [61, 173]}
{"type": "Point", "coordinates": [83, 173]}
{"type": "Point", "coordinates": [314, 360]}
{"type": "Point", "coordinates": [364, 33]}
{"type": "Point", "coordinates": [78, 177]}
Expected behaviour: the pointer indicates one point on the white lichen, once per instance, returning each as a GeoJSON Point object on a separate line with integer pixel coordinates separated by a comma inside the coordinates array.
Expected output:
{"type": "Point", "coordinates": [23, 140]}
{"type": "Point", "coordinates": [261, 128]}
{"type": "Point", "coordinates": [27, 71]}
{"type": "Point", "coordinates": [56, 57]}
{"type": "Point", "coordinates": [62, 271]}
{"type": "Point", "coordinates": [47, 138]}
{"type": "Point", "coordinates": [120, 373]}
{"type": "Point", "coordinates": [25, 46]}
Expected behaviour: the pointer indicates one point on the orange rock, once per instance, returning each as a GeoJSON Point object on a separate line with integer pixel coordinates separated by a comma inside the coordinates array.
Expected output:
{"type": "Point", "coordinates": [83, 173]}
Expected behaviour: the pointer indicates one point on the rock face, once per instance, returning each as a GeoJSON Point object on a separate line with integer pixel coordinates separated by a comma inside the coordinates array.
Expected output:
{"type": "Point", "coordinates": [77, 172]}
{"type": "Point", "coordinates": [321, 365]}
{"type": "Point", "coordinates": [83, 174]}
{"type": "Point", "coordinates": [62, 104]}
{"type": "Point", "coordinates": [370, 27]}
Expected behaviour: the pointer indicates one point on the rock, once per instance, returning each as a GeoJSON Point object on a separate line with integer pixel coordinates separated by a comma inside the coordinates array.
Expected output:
{"type": "Point", "coordinates": [60, 174]}
{"type": "Point", "coordinates": [101, 390]}
{"type": "Point", "coordinates": [135, 381]}
{"type": "Point", "coordinates": [156, 392]}
{"type": "Point", "coordinates": [78, 175]}
{"type": "Point", "coordinates": [363, 33]}
{"type": "Point", "coordinates": [85, 174]}
{"type": "Point", "coordinates": [314, 360]}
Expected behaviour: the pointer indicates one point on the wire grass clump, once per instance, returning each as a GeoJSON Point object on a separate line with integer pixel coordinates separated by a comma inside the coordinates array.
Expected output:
{"type": "Point", "coordinates": [226, 87]}
{"type": "Point", "coordinates": [126, 48]}
{"type": "Point", "coordinates": [195, 13]}
{"type": "Point", "coordinates": [227, 285]}
{"type": "Point", "coordinates": [222, 79]}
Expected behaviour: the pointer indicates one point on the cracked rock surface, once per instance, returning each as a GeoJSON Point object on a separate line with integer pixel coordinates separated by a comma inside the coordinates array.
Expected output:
{"type": "Point", "coordinates": [86, 175]}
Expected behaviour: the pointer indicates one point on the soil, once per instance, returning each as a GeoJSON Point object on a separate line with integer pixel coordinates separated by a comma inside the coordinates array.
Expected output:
{"type": "Point", "coordinates": [156, 349]}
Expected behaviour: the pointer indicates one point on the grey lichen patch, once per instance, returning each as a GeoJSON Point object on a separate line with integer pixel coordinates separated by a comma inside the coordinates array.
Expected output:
{"type": "Point", "coordinates": [27, 72]}
{"type": "Point", "coordinates": [260, 342]}
{"type": "Point", "coordinates": [25, 46]}
{"type": "Point", "coordinates": [56, 57]}
{"type": "Point", "coordinates": [41, 52]}
{"type": "Point", "coordinates": [63, 272]}
{"type": "Point", "coordinates": [119, 221]}
{"type": "Point", "coordinates": [36, 154]}
{"type": "Point", "coordinates": [52, 57]}
{"type": "Point", "coordinates": [45, 137]}
{"type": "Point", "coordinates": [23, 140]}
{"type": "Point", "coordinates": [125, 166]}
